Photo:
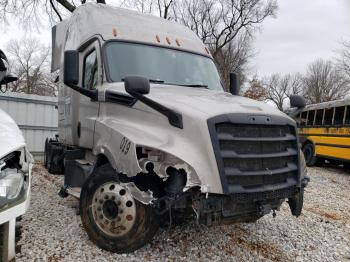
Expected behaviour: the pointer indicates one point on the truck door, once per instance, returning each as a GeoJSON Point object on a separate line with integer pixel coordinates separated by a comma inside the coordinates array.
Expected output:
{"type": "Point", "coordinates": [88, 110]}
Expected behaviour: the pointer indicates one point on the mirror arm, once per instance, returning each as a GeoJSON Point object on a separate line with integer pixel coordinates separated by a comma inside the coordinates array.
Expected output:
{"type": "Point", "coordinates": [175, 119]}
{"type": "Point", "coordinates": [294, 112]}
{"type": "Point", "coordinates": [89, 93]}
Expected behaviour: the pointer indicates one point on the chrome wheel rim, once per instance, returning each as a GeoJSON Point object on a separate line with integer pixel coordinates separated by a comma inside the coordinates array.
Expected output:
{"type": "Point", "coordinates": [113, 209]}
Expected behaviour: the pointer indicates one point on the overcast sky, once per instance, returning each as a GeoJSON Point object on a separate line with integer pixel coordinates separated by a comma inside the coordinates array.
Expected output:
{"type": "Point", "coordinates": [303, 31]}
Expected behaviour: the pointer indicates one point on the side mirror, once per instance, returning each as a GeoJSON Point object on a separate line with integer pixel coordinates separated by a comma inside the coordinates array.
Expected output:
{"type": "Point", "coordinates": [297, 101]}
{"type": "Point", "coordinates": [71, 74]}
{"type": "Point", "coordinates": [136, 85]}
{"type": "Point", "coordinates": [234, 86]}
{"type": "Point", "coordinates": [8, 79]}
{"type": "Point", "coordinates": [71, 68]}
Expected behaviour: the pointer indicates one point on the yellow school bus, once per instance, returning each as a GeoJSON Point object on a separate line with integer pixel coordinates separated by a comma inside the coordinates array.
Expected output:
{"type": "Point", "coordinates": [324, 131]}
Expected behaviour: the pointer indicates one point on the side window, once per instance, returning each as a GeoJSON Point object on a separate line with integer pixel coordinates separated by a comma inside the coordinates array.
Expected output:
{"type": "Point", "coordinates": [328, 116]}
{"type": "Point", "coordinates": [339, 115]}
{"type": "Point", "coordinates": [319, 117]}
{"type": "Point", "coordinates": [310, 118]}
{"type": "Point", "coordinates": [90, 70]}
{"type": "Point", "coordinates": [303, 118]}
{"type": "Point", "coordinates": [347, 119]}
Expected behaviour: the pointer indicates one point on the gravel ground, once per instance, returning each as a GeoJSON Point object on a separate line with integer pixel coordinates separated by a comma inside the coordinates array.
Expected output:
{"type": "Point", "coordinates": [52, 231]}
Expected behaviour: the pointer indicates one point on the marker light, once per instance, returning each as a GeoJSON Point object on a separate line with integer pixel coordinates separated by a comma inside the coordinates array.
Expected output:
{"type": "Point", "coordinates": [115, 32]}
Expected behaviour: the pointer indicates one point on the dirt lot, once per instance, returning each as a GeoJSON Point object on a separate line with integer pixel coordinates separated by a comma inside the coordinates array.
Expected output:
{"type": "Point", "coordinates": [52, 231]}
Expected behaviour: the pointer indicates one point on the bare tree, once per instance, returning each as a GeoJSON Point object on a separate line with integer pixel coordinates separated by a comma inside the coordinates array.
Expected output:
{"type": "Point", "coordinates": [280, 87]}
{"type": "Point", "coordinates": [225, 26]}
{"type": "Point", "coordinates": [218, 22]}
{"type": "Point", "coordinates": [343, 62]}
{"type": "Point", "coordinates": [323, 82]}
{"type": "Point", "coordinates": [255, 90]}
{"type": "Point", "coordinates": [30, 12]}
{"type": "Point", "coordinates": [29, 62]}
{"type": "Point", "coordinates": [234, 58]}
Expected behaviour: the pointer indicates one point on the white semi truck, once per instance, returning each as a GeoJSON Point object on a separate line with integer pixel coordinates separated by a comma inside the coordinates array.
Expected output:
{"type": "Point", "coordinates": [147, 133]}
{"type": "Point", "coordinates": [15, 174]}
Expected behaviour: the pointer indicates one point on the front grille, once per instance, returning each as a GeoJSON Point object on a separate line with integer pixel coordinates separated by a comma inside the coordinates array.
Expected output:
{"type": "Point", "coordinates": [256, 158]}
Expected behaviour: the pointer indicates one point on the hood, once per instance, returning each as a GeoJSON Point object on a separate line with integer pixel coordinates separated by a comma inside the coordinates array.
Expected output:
{"type": "Point", "coordinates": [11, 137]}
{"type": "Point", "coordinates": [201, 102]}
{"type": "Point", "coordinates": [208, 102]}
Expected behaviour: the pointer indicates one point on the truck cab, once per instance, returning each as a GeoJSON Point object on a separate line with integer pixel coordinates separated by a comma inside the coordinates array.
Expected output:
{"type": "Point", "coordinates": [147, 132]}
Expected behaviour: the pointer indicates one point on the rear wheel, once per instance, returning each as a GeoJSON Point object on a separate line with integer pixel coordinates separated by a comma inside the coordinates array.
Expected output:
{"type": "Point", "coordinates": [309, 154]}
{"type": "Point", "coordinates": [113, 219]}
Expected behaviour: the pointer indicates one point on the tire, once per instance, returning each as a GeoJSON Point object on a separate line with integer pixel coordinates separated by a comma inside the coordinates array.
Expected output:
{"type": "Point", "coordinates": [112, 218]}
{"type": "Point", "coordinates": [346, 165]}
{"type": "Point", "coordinates": [296, 203]}
{"type": "Point", "coordinates": [309, 154]}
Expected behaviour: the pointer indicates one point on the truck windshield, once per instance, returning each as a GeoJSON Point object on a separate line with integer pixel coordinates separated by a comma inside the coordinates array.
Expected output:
{"type": "Point", "coordinates": [161, 65]}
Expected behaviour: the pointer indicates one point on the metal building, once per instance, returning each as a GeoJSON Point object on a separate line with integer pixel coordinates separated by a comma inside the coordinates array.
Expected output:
{"type": "Point", "coordinates": [35, 115]}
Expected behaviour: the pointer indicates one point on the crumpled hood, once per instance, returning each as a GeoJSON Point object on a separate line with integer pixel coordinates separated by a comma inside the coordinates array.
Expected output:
{"type": "Point", "coordinates": [209, 103]}
{"type": "Point", "coordinates": [11, 137]}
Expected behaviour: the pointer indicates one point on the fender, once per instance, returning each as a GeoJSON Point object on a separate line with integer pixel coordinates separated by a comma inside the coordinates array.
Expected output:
{"type": "Point", "coordinates": [118, 138]}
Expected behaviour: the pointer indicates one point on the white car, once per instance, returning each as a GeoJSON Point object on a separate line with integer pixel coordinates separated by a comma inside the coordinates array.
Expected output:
{"type": "Point", "coordinates": [15, 174]}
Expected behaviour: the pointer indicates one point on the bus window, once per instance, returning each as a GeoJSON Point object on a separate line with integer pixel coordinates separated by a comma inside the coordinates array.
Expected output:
{"type": "Point", "coordinates": [319, 117]}
{"type": "Point", "coordinates": [310, 118]}
{"type": "Point", "coordinates": [347, 119]}
{"type": "Point", "coordinates": [303, 118]}
{"type": "Point", "coordinates": [339, 115]}
{"type": "Point", "coordinates": [328, 116]}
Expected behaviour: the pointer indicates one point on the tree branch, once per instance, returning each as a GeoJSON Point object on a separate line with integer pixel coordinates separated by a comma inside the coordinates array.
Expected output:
{"type": "Point", "coordinates": [66, 5]}
{"type": "Point", "coordinates": [55, 9]}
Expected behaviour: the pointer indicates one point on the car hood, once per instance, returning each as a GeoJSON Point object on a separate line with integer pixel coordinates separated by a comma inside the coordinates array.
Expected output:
{"type": "Point", "coordinates": [11, 137]}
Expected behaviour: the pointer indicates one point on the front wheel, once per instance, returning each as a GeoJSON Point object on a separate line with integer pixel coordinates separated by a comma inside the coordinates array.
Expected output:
{"type": "Point", "coordinates": [113, 219]}
{"type": "Point", "coordinates": [309, 154]}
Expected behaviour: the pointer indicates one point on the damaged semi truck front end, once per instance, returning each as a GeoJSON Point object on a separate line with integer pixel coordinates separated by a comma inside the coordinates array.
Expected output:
{"type": "Point", "coordinates": [148, 136]}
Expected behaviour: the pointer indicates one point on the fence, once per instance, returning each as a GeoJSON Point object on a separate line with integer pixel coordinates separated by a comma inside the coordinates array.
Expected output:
{"type": "Point", "coordinates": [35, 115]}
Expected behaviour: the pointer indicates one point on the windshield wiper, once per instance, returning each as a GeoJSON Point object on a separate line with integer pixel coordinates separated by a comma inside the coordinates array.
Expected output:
{"type": "Point", "coordinates": [189, 85]}
{"type": "Point", "coordinates": [194, 85]}
{"type": "Point", "coordinates": [158, 81]}
{"type": "Point", "coordinates": [155, 81]}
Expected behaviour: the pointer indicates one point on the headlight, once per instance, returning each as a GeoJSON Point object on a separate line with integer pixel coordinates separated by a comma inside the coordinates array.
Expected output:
{"type": "Point", "coordinates": [11, 183]}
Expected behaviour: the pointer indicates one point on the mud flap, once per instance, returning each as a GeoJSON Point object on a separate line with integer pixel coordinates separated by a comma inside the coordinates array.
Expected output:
{"type": "Point", "coordinates": [296, 203]}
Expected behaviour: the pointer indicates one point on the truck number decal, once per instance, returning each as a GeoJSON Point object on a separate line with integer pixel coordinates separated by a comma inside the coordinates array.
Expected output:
{"type": "Point", "coordinates": [125, 145]}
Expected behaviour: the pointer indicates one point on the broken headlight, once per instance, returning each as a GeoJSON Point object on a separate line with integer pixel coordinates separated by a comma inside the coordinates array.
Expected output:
{"type": "Point", "coordinates": [11, 184]}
